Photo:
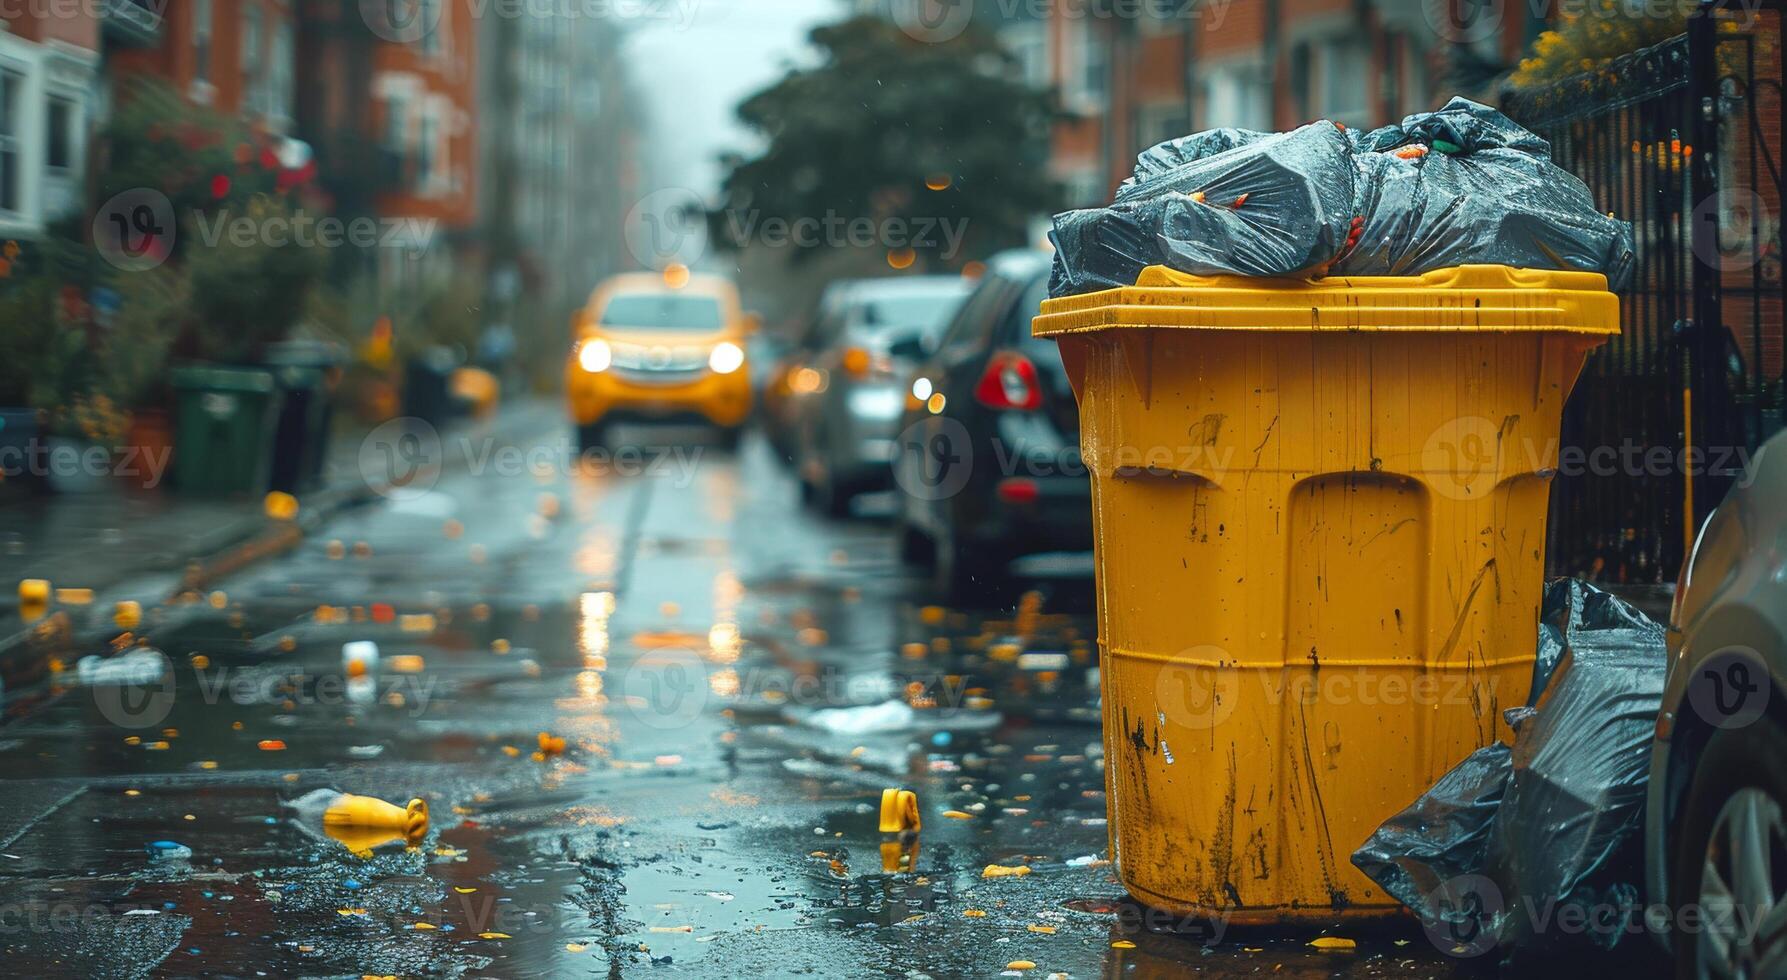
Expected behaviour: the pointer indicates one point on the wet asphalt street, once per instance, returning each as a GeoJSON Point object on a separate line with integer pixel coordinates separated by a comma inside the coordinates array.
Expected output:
{"type": "Point", "coordinates": [684, 628]}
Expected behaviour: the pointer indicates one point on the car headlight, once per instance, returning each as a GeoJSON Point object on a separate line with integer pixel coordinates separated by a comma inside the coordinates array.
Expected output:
{"type": "Point", "coordinates": [726, 358]}
{"type": "Point", "coordinates": [595, 355]}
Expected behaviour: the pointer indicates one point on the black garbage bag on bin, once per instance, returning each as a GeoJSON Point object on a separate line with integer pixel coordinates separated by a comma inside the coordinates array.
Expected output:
{"type": "Point", "coordinates": [1494, 206]}
{"type": "Point", "coordinates": [1275, 205]}
{"type": "Point", "coordinates": [1162, 159]}
{"type": "Point", "coordinates": [1511, 836]}
{"type": "Point", "coordinates": [1463, 185]}
{"type": "Point", "coordinates": [1484, 191]}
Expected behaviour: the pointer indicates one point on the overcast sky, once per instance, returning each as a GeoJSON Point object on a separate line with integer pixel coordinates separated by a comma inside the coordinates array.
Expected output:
{"type": "Point", "coordinates": [691, 69]}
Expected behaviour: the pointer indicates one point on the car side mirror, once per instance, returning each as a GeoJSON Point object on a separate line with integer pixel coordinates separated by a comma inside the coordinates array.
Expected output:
{"type": "Point", "coordinates": [909, 348]}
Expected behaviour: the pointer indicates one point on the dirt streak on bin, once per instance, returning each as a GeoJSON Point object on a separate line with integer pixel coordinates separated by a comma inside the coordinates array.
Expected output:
{"type": "Point", "coordinates": [1310, 619]}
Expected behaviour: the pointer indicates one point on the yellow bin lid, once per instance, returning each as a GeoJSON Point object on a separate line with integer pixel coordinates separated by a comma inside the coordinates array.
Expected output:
{"type": "Point", "coordinates": [1494, 298]}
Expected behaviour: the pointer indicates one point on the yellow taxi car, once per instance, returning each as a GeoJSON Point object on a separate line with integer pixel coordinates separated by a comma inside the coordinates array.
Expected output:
{"type": "Point", "coordinates": [659, 347]}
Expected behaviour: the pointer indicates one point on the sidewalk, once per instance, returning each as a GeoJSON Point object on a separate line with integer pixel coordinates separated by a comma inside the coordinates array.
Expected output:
{"type": "Point", "coordinates": [150, 547]}
{"type": "Point", "coordinates": [144, 546]}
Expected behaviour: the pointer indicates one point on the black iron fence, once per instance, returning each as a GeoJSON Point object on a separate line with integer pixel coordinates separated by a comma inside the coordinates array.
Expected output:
{"type": "Point", "coordinates": [1683, 139]}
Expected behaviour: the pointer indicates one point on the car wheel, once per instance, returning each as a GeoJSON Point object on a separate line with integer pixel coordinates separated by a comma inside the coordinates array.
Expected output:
{"type": "Point", "coordinates": [592, 436]}
{"type": "Point", "coordinates": [1730, 861]}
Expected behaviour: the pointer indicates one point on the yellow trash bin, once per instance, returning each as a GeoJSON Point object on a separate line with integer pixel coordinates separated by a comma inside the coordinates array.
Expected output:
{"type": "Point", "coordinates": [1319, 513]}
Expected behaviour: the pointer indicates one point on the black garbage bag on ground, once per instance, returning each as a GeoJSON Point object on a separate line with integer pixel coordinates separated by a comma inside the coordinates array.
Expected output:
{"type": "Point", "coordinates": [1461, 185]}
{"type": "Point", "coordinates": [1444, 835]}
{"type": "Point", "coordinates": [1513, 836]}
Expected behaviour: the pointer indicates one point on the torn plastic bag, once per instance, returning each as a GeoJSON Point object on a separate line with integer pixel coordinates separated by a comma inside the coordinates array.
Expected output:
{"type": "Point", "coordinates": [1510, 836]}
{"type": "Point", "coordinates": [1279, 205]}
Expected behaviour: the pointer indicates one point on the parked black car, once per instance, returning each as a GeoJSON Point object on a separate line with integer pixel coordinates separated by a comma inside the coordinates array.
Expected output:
{"type": "Point", "coordinates": [987, 462]}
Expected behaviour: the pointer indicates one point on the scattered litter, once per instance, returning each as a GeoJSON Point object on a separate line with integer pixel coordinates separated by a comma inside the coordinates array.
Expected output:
{"type": "Point", "coordinates": [280, 506]}
{"type": "Point", "coordinates": [361, 652]}
{"type": "Point", "coordinates": [128, 614]}
{"type": "Point", "coordinates": [167, 850]}
{"type": "Point", "coordinates": [899, 811]}
{"type": "Point", "coordinates": [408, 663]}
{"type": "Point", "coordinates": [365, 751]}
{"type": "Point", "coordinates": [361, 823]}
{"type": "Point", "coordinates": [140, 667]}
{"type": "Point", "coordinates": [1333, 943]}
{"type": "Point", "coordinates": [1005, 871]}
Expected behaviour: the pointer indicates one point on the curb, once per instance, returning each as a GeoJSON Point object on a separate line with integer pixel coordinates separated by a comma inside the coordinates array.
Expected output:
{"type": "Point", "coordinates": [25, 655]}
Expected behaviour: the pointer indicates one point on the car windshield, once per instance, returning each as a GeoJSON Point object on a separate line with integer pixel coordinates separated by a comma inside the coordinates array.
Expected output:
{"type": "Point", "coordinates": [905, 314]}
{"type": "Point", "coordinates": [663, 311]}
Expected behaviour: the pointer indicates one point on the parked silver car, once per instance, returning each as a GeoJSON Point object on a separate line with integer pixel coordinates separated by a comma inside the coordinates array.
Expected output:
{"type": "Point", "coordinates": [1716, 816]}
{"type": "Point", "coordinates": [871, 334]}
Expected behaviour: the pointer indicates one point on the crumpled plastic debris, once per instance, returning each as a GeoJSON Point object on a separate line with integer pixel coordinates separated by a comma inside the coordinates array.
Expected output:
{"type": "Point", "coordinates": [1553, 820]}
{"type": "Point", "coordinates": [361, 823]}
{"type": "Point", "coordinates": [1458, 186]}
{"type": "Point", "coordinates": [139, 667]}
{"type": "Point", "coordinates": [892, 716]}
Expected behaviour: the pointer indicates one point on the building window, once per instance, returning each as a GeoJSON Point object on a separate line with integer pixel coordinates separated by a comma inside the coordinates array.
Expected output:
{"type": "Point", "coordinates": [12, 92]}
{"type": "Point", "coordinates": [1029, 46]}
{"type": "Point", "coordinates": [425, 155]}
{"type": "Point", "coordinates": [254, 94]}
{"type": "Point", "coordinates": [63, 116]}
{"type": "Point", "coordinates": [281, 72]}
{"type": "Point", "coordinates": [201, 41]}
{"type": "Point", "coordinates": [1095, 67]}
{"type": "Point", "coordinates": [1235, 97]}
{"type": "Point", "coordinates": [430, 19]}
{"type": "Point", "coordinates": [1344, 73]}
{"type": "Point", "coordinates": [1160, 122]}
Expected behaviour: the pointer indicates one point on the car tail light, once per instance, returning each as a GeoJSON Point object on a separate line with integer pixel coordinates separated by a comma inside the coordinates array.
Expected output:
{"type": "Point", "coordinates": [1010, 382]}
{"type": "Point", "coordinates": [856, 361]}
{"type": "Point", "coordinates": [1018, 490]}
